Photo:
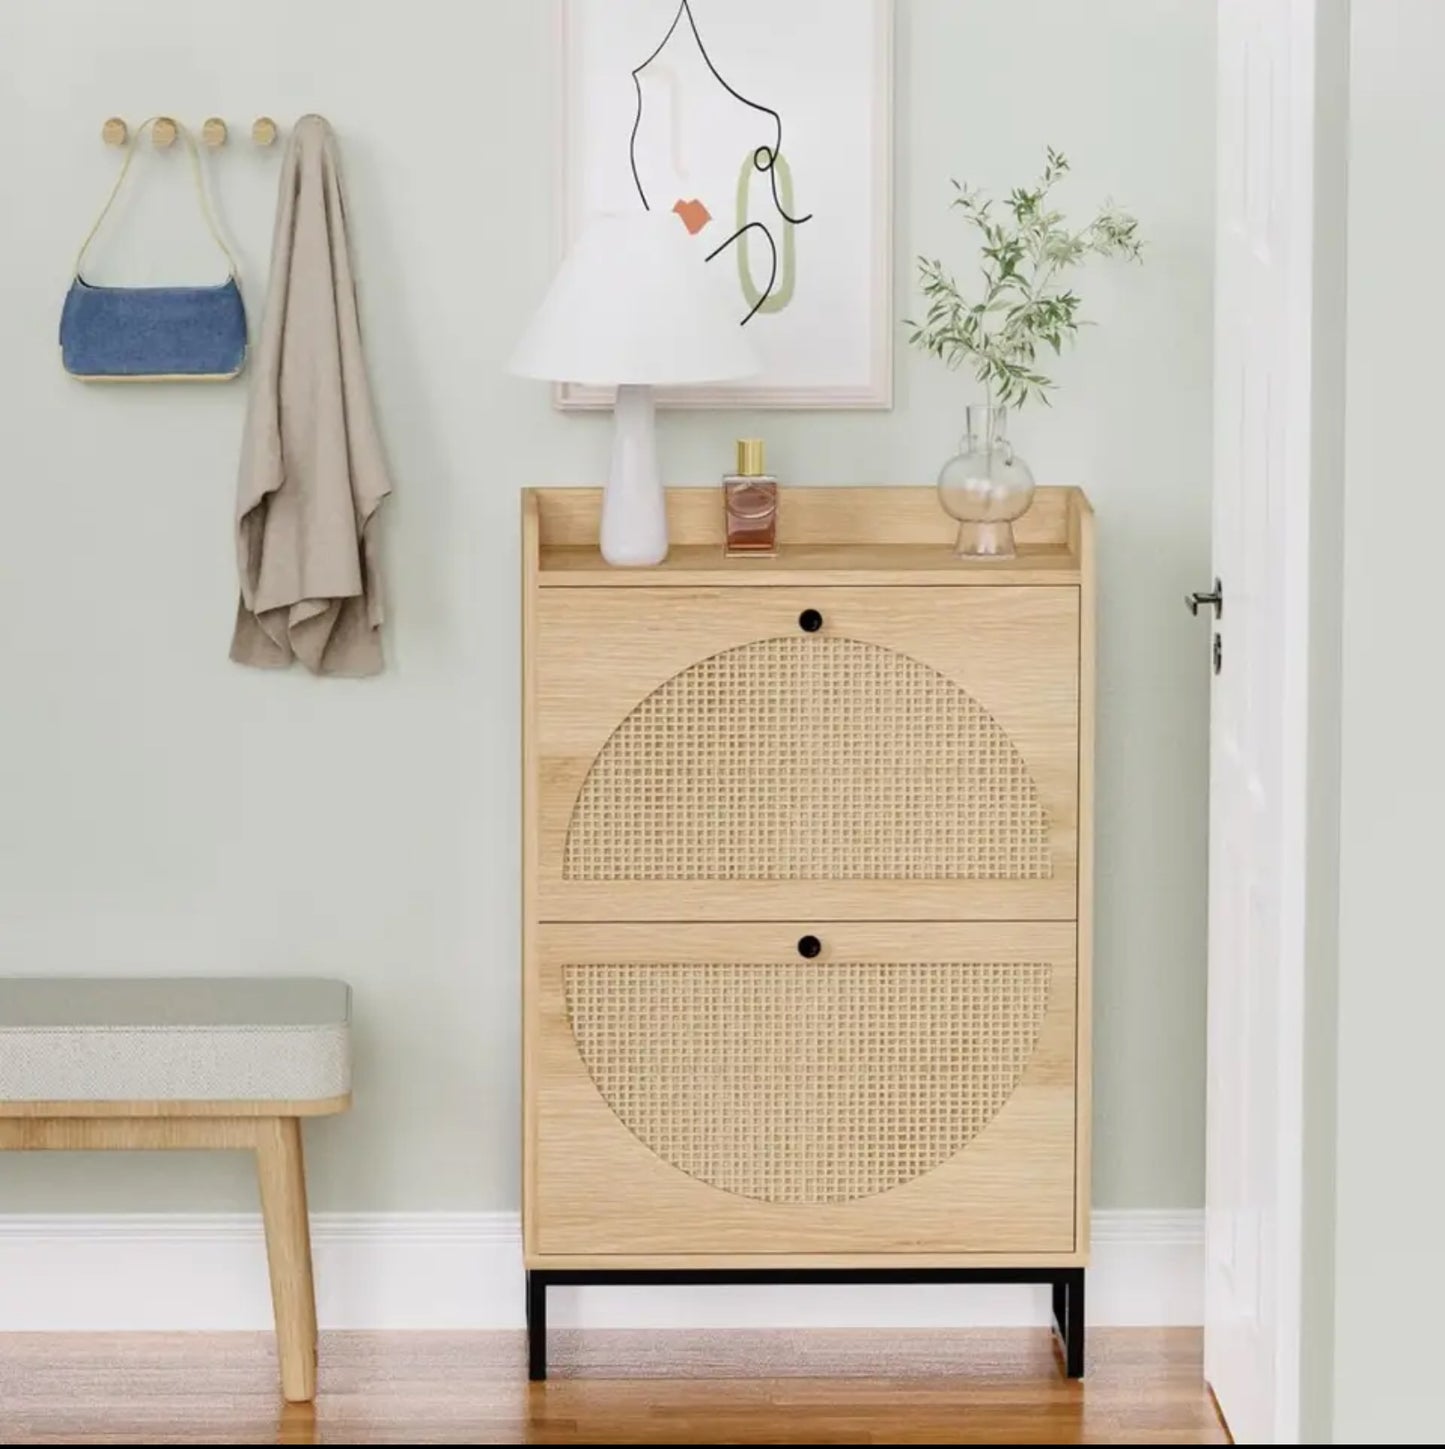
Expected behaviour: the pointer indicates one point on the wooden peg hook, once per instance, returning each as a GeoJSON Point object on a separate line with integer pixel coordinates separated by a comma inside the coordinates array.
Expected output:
{"type": "Point", "coordinates": [214, 132]}
{"type": "Point", "coordinates": [163, 133]}
{"type": "Point", "coordinates": [264, 131]}
{"type": "Point", "coordinates": [115, 132]}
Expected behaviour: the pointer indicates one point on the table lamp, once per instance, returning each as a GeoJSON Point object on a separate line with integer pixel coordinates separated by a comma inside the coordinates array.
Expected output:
{"type": "Point", "coordinates": [633, 305]}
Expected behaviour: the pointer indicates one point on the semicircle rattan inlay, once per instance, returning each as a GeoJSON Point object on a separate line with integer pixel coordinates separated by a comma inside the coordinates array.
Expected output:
{"type": "Point", "coordinates": [797, 1083]}
{"type": "Point", "coordinates": [805, 758]}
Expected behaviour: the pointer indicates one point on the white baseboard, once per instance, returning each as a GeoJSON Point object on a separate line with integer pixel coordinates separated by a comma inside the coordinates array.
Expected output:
{"type": "Point", "coordinates": [187, 1271]}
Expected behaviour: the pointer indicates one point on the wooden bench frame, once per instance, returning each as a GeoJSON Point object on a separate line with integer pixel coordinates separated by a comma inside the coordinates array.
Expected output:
{"type": "Point", "coordinates": [272, 1130]}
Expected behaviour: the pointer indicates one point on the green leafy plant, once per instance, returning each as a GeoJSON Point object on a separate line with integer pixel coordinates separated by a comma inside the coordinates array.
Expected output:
{"type": "Point", "coordinates": [1025, 247]}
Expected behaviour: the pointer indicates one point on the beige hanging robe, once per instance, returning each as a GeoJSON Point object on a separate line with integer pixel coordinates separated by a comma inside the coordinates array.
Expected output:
{"type": "Point", "coordinates": [312, 472]}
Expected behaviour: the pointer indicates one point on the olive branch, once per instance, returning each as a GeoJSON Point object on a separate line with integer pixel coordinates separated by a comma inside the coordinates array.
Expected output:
{"type": "Point", "coordinates": [1023, 308]}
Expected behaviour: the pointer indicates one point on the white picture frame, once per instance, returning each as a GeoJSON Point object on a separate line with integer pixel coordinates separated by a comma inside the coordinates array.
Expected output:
{"type": "Point", "coordinates": [853, 369]}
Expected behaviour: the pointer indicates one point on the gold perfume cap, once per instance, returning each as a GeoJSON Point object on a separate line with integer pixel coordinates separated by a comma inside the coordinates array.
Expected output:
{"type": "Point", "coordinates": [750, 457]}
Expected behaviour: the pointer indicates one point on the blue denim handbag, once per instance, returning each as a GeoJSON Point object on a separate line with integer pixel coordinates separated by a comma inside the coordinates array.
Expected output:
{"type": "Point", "coordinates": [154, 334]}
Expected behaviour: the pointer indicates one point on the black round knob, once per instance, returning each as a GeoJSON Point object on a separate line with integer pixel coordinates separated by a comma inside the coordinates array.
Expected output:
{"type": "Point", "coordinates": [809, 946]}
{"type": "Point", "coordinates": [810, 621]}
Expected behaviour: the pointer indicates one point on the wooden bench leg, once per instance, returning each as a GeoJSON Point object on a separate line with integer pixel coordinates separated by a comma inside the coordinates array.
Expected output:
{"type": "Point", "coordinates": [288, 1253]}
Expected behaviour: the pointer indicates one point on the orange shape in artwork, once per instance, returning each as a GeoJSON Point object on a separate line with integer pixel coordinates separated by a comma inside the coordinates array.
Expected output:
{"type": "Point", "coordinates": [694, 214]}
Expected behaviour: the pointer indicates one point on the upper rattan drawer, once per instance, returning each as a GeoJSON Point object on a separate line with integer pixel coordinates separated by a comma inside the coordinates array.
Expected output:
{"type": "Point", "coordinates": [855, 753]}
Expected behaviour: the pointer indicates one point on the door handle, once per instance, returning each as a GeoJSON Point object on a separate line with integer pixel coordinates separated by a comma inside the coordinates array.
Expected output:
{"type": "Point", "coordinates": [1215, 599]}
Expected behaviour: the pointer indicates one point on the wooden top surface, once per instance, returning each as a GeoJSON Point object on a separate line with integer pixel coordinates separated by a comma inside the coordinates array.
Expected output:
{"type": "Point", "coordinates": [697, 564]}
{"type": "Point", "coordinates": [844, 536]}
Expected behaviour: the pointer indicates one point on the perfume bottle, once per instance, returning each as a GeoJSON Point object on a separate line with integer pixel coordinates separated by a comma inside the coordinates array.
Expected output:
{"type": "Point", "coordinates": [750, 500]}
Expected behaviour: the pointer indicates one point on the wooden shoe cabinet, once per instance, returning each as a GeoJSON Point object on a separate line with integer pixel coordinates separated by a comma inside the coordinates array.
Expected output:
{"type": "Point", "coordinates": [806, 900]}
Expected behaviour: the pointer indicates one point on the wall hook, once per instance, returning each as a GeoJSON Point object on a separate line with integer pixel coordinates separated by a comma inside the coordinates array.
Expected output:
{"type": "Point", "coordinates": [164, 130]}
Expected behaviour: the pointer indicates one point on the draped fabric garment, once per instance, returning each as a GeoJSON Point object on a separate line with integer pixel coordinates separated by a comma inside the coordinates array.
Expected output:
{"type": "Point", "coordinates": [312, 471]}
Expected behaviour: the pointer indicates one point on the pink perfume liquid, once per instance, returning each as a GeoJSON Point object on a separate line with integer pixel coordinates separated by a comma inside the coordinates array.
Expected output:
{"type": "Point", "coordinates": [751, 501]}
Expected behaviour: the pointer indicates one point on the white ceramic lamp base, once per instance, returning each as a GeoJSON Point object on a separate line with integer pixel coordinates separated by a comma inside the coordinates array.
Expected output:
{"type": "Point", "coordinates": [634, 510]}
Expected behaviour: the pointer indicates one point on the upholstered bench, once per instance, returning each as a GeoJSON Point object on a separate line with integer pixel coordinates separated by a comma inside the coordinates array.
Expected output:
{"type": "Point", "coordinates": [182, 1063]}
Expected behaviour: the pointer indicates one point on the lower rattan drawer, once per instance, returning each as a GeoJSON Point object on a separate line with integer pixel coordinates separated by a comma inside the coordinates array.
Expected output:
{"type": "Point", "coordinates": [710, 1090]}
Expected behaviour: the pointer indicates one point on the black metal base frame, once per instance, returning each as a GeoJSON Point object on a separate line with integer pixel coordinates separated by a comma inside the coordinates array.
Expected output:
{"type": "Point", "coordinates": [1067, 1285]}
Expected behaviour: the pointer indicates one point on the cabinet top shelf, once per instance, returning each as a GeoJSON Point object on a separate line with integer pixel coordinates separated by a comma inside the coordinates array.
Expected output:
{"type": "Point", "coordinates": [855, 536]}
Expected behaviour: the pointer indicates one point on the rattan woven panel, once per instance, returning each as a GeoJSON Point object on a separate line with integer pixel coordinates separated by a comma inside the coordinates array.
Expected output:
{"type": "Point", "coordinates": [803, 758]}
{"type": "Point", "coordinates": [804, 1084]}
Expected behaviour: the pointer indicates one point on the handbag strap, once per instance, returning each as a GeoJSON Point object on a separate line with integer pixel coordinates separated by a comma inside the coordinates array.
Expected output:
{"type": "Point", "coordinates": [206, 212]}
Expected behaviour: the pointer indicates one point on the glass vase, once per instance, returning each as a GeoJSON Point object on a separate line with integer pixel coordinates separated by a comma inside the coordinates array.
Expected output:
{"type": "Point", "coordinates": [985, 486]}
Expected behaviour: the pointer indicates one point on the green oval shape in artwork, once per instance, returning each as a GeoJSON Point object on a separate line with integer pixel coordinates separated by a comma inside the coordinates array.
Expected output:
{"type": "Point", "coordinates": [783, 292]}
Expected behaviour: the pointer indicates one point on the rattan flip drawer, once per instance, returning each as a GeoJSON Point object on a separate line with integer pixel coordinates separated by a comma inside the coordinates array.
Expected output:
{"type": "Point", "coordinates": [705, 1088]}
{"type": "Point", "coordinates": [872, 752]}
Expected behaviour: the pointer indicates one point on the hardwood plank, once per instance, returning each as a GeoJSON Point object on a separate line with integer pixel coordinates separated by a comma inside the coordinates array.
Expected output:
{"type": "Point", "coordinates": [855, 1387]}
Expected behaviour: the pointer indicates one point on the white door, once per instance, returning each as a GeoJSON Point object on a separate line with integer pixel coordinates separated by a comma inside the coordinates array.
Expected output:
{"type": "Point", "coordinates": [1263, 313]}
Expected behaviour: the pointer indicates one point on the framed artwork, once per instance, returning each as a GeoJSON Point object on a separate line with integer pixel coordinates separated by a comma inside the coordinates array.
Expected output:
{"type": "Point", "coordinates": [765, 126]}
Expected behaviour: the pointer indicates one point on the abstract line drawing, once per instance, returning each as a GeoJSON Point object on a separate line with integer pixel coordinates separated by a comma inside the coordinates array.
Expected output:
{"type": "Point", "coordinates": [761, 131]}
{"type": "Point", "coordinates": [765, 159]}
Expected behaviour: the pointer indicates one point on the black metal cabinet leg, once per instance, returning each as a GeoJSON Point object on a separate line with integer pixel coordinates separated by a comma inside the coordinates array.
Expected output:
{"type": "Point", "coordinates": [1074, 1332]}
{"type": "Point", "coordinates": [536, 1326]}
{"type": "Point", "coordinates": [1061, 1308]}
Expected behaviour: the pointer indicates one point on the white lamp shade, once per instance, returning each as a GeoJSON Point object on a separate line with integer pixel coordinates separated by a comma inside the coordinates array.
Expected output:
{"type": "Point", "coordinates": [633, 303]}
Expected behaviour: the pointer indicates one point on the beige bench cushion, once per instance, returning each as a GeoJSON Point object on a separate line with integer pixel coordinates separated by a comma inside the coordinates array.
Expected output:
{"type": "Point", "coordinates": [73, 1039]}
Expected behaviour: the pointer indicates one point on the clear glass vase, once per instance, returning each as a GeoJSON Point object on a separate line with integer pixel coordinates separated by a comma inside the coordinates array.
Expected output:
{"type": "Point", "coordinates": [985, 486]}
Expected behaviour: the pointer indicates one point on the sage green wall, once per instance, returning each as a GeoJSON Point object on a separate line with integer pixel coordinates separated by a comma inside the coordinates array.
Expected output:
{"type": "Point", "coordinates": [166, 811]}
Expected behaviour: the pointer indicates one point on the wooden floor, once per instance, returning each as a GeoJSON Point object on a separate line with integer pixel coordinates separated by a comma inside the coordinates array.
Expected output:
{"type": "Point", "coordinates": [1144, 1387]}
